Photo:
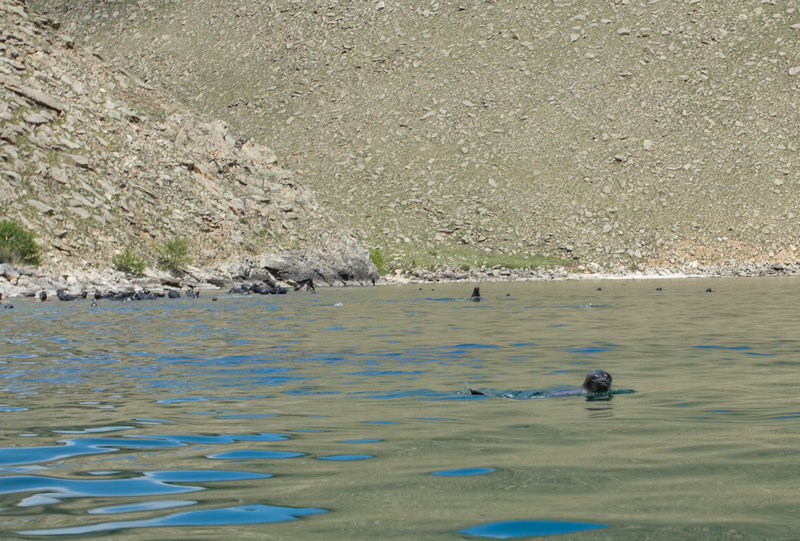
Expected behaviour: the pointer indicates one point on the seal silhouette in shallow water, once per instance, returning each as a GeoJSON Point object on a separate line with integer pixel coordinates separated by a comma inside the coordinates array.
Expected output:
{"type": "Point", "coordinates": [597, 381]}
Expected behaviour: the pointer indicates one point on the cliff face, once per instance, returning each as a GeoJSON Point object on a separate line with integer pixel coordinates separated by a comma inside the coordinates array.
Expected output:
{"type": "Point", "coordinates": [94, 160]}
{"type": "Point", "coordinates": [619, 133]}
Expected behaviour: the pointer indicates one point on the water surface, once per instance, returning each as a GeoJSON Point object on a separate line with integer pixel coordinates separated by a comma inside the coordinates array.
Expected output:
{"type": "Point", "coordinates": [344, 414]}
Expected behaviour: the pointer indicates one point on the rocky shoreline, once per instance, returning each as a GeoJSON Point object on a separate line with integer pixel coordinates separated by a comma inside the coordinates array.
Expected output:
{"type": "Point", "coordinates": [500, 274]}
{"type": "Point", "coordinates": [25, 282]}
{"type": "Point", "coordinates": [241, 279]}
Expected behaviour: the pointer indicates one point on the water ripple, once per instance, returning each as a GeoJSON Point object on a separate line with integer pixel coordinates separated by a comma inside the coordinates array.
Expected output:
{"type": "Point", "coordinates": [528, 528]}
{"type": "Point", "coordinates": [224, 516]}
{"type": "Point", "coordinates": [464, 472]}
{"type": "Point", "coordinates": [52, 490]}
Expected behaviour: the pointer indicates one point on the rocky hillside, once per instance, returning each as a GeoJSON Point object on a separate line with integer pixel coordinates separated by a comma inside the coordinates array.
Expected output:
{"type": "Point", "coordinates": [626, 133]}
{"type": "Point", "coordinates": [95, 160]}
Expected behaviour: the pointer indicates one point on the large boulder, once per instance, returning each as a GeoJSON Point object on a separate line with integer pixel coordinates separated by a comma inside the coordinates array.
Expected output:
{"type": "Point", "coordinates": [338, 259]}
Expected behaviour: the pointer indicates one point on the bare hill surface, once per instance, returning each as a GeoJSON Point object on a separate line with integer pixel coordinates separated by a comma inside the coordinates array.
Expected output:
{"type": "Point", "coordinates": [620, 134]}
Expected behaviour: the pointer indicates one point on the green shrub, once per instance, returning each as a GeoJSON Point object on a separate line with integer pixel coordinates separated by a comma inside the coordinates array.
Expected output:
{"type": "Point", "coordinates": [17, 245]}
{"type": "Point", "coordinates": [376, 257]}
{"type": "Point", "coordinates": [173, 256]}
{"type": "Point", "coordinates": [129, 263]}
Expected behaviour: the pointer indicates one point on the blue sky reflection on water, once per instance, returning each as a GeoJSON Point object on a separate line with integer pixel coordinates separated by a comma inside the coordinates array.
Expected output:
{"type": "Point", "coordinates": [267, 411]}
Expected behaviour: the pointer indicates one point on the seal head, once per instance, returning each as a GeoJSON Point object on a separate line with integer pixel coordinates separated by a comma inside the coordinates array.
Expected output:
{"type": "Point", "coordinates": [597, 381]}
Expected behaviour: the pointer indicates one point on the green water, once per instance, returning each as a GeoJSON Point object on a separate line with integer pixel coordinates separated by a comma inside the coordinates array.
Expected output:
{"type": "Point", "coordinates": [702, 442]}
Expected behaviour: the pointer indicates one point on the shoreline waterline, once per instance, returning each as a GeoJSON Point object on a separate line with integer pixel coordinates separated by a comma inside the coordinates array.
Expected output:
{"type": "Point", "coordinates": [21, 282]}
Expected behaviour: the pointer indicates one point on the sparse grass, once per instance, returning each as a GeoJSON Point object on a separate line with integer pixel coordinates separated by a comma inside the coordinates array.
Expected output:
{"type": "Point", "coordinates": [376, 256]}
{"type": "Point", "coordinates": [17, 245]}
{"type": "Point", "coordinates": [467, 258]}
{"type": "Point", "coordinates": [173, 256]}
{"type": "Point", "coordinates": [263, 234]}
{"type": "Point", "coordinates": [129, 263]}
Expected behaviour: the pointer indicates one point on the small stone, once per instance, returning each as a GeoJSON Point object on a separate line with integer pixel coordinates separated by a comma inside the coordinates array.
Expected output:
{"type": "Point", "coordinates": [36, 118]}
{"type": "Point", "coordinates": [69, 143]}
{"type": "Point", "coordinates": [58, 174]}
{"type": "Point", "coordinates": [647, 144]}
{"type": "Point", "coordinates": [41, 207]}
{"type": "Point", "coordinates": [79, 200]}
{"type": "Point", "coordinates": [624, 31]}
{"type": "Point", "coordinates": [77, 159]}
{"type": "Point", "coordinates": [794, 70]}
{"type": "Point", "coordinates": [80, 211]}
{"type": "Point", "coordinates": [37, 96]}
{"type": "Point", "coordinates": [63, 247]}
{"type": "Point", "coordinates": [258, 154]}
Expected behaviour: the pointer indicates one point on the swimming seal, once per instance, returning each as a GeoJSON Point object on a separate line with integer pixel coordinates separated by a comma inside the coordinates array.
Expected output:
{"type": "Point", "coordinates": [597, 381]}
{"type": "Point", "coordinates": [476, 295]}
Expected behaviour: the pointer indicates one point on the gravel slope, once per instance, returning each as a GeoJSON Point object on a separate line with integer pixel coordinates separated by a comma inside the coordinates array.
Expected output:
{"type": "Point", "coordinates": [620, 135]}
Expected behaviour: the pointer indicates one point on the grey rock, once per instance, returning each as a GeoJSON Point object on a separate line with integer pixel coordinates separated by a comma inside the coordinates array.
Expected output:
{"type": "Point", "coordinates": [58, 174]}
{"type": "Point", "coordinates": [8, 272]}
{"type": "Point", "coordinates": [338, 261]}
{"type": "Point", "coordinates": [80, 211]}
{"type": "Point", "coordinates": [77, 159]}
{"type": "Point", "coordinates": [34, 95]}
{"type": "Point", "coordinates": [37, 118]}
{"type": "Point", "coordinates": [41, 207]}
{"type": "Point", "coordinates": [222, 282]}
{"type": "Point", "coordinates": [261, 274]}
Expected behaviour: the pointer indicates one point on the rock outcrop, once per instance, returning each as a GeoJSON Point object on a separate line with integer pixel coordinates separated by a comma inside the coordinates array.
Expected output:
{"type": "Point", "coordinates": [337, 261]}
{"type": "Point", "coordinates": [94, 161]}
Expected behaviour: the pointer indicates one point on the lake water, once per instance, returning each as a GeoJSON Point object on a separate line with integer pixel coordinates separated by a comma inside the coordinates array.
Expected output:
{"type": "Point", "coordinates": [343, 414]}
